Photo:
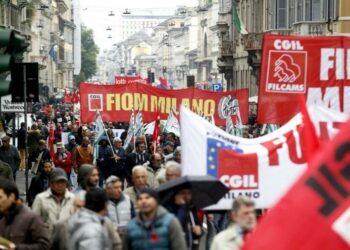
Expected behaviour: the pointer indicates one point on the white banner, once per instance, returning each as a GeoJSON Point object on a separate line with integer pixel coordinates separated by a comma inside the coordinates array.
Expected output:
{"type": "Point", "coordinates": [262, 168]}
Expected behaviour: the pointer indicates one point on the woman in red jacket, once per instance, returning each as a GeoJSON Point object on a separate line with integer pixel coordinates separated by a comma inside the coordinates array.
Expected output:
{"type": "Point", "coordinates": [62, 159]}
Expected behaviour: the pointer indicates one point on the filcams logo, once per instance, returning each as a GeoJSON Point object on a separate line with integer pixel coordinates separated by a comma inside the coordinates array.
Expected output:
{"type": "Point", "coordinates": [95, 102]}
{"type": "Point", "coordinates": [287, 69]}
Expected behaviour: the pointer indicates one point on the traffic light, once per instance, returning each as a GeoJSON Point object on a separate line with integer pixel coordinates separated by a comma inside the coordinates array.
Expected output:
{"type": "Point", "coordinates": [12, 46]}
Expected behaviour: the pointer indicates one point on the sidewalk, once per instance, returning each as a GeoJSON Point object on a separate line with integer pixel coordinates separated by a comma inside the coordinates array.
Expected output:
{"type": "Point", "coordinates": [21, 183]}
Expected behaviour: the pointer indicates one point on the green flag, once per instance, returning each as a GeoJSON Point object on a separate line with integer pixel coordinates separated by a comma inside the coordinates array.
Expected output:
{"type": "Point", "coordinates": [240, 27]}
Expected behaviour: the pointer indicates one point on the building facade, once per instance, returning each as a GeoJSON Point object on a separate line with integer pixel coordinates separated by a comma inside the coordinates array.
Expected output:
{"type": "Point", "coordinates": [49, 26]}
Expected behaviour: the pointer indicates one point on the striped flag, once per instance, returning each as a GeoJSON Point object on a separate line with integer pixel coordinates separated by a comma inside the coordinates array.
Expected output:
{"type": "Point", "coordinates": [131, 130]}
{"type": "Point", "coordinates": [229, 126]}
{"type": "Point", "coordinates": [138, 124]}
{"type": "Point", "coordinates": [172, 123]}
{"type": "Point", "coordinates": [99, 132]}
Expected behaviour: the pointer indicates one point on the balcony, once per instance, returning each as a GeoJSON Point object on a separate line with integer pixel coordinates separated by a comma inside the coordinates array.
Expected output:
{"type": "Point", "coordinates": [285, 32]}
{"type": "Point", "coordinates": [227, 49]}
{"type": "Point", "coordinates": [252, 41]}
{"type": "Point", "coordinates": [310, 28]}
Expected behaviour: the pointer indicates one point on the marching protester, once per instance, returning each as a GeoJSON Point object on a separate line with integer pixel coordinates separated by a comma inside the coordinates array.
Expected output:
{"type": "Point", "coordinates": [39, 156]}
{"type": "Point", "coordinates": [83, 154]}
{"type": "Point", "coordinates": [118, 166]}
{"type": "Point", "coordinates": [243, 220]}
{"type": "Point", "coordinates": [10, 155]}
{"type": "Point", "coordinates": [105, 159]}
{"type": "Point", "coordinates": [153, 167]}
{"type": "Point", "coordinates": [139, 181]}
{"type": "Point", "coordinates": [39, 183]}
{"type": "Point", "coordinates": [22, 146]}
{"type": "Point", "coordinates": [162, 229]}
{"type": "Point", "coordinates": [6, 171]}
{"type": "Point", "coordinates": [88, 229]}
{"type": "Point", "coordinates": [22, 228]}
{"type": "Point", "coordinates": [138, 157]}
{"type": "Point", "coordinates": [56, 203]}
{"type": "Point", "coordinates": [172, 170]}
{"type": "Point", "coordinates": [62, 159]}
{"type": "Point", "coordinates": [71, 145]}
{"type": "Point", "coordinates": [120, 207]}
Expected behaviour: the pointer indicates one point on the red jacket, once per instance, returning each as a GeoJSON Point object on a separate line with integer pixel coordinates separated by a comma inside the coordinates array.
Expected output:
{"type": "Point", "coordinates": [65, 164]}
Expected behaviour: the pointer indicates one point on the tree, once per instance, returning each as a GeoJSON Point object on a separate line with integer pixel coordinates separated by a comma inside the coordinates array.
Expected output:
{"type": "Point", "coordinates": [89, 51]}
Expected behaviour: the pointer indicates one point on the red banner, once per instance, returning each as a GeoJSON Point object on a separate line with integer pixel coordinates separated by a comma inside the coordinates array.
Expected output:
{"type": "Point", "coordinates": [116, 101]}
{"type": "Point", "coordinates": [315, 214]}
{"type": "Point", "coordinates": [317, 67]}
{"type": "Point", "coordinates": [129, 79]}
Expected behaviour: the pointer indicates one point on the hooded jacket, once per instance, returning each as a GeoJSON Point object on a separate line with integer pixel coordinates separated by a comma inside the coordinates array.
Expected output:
{"type": "Point", "coordinates": [87, 231]}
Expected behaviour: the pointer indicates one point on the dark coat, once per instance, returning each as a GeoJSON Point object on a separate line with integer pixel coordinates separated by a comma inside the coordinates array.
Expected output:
{"type": "Point", "coordinates": [6, 171]}
{"type": "Point", "coordinates": [132, 160]}
{"type": "Point", "coordinates": [37, 186]}
{"type": "Point", "coordinates": [21, 138]}
{"type": "Point", "coordinates": [25, 229]}
{"type": "Point", "coordinates": [11, 157]}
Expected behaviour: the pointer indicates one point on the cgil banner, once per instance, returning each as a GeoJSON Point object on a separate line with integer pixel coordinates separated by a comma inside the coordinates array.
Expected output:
{"type": "Point", "coordinates": [262, 168]}
{"type": "Point", "coordinates": [114, 102]}
{"type": "Point", "coordinates": [315, 213]}
{"type": "Point", "coordinates": [317, 67]}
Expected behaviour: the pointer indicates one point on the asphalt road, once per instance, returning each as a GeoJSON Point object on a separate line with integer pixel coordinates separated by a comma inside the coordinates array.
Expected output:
{"type": "Point", "coordinates": [21, 183]}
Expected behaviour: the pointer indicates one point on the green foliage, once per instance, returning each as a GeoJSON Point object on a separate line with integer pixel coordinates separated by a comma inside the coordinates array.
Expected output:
{"type": "Point", "coordinates": [89, 51]}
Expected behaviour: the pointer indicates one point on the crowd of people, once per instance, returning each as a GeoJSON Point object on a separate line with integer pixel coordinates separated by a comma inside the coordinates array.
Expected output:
{"type": "Point", "coordinates": [81, 199]}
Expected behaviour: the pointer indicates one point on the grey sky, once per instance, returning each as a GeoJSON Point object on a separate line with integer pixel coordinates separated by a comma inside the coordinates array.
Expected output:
{"type": "Point", "coordinates": [94, 14]}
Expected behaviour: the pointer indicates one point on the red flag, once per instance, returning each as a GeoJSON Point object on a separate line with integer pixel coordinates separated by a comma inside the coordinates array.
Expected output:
{"type": "Point", "coordinates": [315, 213]}
{"type": "Point", "coordinates": [163, 81]}
{"type": "Point", "coordinates": [75, 97]}
{"type": "Point", "coordinates": [308, 132]}
{"type": "Point", "coordinates": [51, 140]}
{"type": "Point", "coordinates": [156, 133]}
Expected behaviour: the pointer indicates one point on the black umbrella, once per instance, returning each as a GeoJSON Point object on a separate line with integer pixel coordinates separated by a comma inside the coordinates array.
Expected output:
{"type": "Point", "coordinates": [206, 190]}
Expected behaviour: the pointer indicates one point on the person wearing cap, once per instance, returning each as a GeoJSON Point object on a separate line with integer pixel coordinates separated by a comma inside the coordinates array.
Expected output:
{"type": "Point", "coordinates": [71, 145]}
{"type": "Point", "coordinates": [153, 227]}
{"type": "Point", "coordinates": [117, 168]}
{"type": "Point", "coordinates": [56, 203]}
{"type": "Point", "coordinates": [62, 159]}
{"type": "Point", "coordinates": [10, 155]}
{"type": "Point", "coordinates": [120, 207]}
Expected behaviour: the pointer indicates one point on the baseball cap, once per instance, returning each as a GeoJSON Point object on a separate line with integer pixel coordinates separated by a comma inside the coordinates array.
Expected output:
{"type": "Point", "coordinates": [71, 137]}
{"type": "Point", "coordinates": [58, 174]}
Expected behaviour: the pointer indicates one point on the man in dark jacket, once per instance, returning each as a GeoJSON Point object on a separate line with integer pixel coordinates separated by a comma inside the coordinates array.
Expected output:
{"type": "Point", "coordinates": [139, 157]}
{"type": "Point", "coordinates": [162, 228]}
{"type": "Point", "coordinates": [39, 183]}
{"type": "Point", "coordinates": [6, 171]}
{"type": "Point", "coordinates": [9, 154]}
{"type": "Point", "coordinates": [40, 155]}
{"type": "Point", "coordinates": [105, 159]}
{"type": "Point", "coordinates": [23, 228]}
{"type": "Point", "coordinates": [119, 158]}
{"type": "Point", "coordinates": [21, 133]}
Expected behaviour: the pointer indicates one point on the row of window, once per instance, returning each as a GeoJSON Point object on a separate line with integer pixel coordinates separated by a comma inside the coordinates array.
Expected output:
{"type": "Point", "coordinates": [287, 12]}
